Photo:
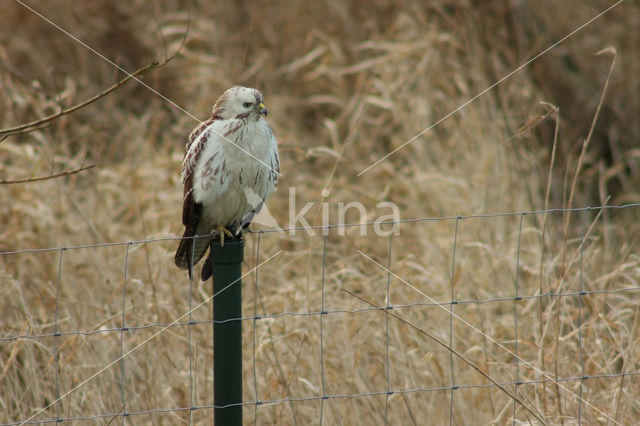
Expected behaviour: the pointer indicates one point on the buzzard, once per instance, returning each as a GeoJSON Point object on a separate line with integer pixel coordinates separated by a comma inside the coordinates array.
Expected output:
{"type": "Point", "coordinates": [229, 169]}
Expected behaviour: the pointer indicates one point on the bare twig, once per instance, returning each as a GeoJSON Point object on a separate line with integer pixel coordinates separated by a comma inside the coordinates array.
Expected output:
{"type": "Point", "coordinates": [28, 126]}
{"type": "Point", "coordinates": [29, 130]}
{"type": "Point", "coordinates": [51, 176]}
{"type": "Point", "coordinates": [456, 353]}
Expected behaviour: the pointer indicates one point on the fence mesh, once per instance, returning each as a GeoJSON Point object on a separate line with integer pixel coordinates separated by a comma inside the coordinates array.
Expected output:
{"type": "Point", "coordinates": [339, 328]}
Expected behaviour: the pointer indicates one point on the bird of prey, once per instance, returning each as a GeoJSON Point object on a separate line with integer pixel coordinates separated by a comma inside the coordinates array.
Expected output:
{"type": "Point", "coordinates": [230, 167]}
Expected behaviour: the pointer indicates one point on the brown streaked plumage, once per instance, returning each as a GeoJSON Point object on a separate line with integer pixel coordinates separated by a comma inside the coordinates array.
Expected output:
{"type": "Point", "coordinates": [230, 155]}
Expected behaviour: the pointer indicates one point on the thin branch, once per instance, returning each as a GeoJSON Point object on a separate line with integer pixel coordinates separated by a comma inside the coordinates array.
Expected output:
{"type": "Point", "coordinates": [25, 127]}
{"type": "Point", "coordinates": [51, 176]}
{"type": "Point", "coordinates": [29, 130]}
{"type": "Point", "coordinates": [164, 40]}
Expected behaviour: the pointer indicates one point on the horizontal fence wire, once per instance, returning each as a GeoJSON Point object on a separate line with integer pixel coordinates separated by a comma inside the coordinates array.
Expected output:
{"type": "Point", "coordinates": [319, 398]}
{"type": "Point", "coordinates": [321, 312]}
{"type": "Point", "coordinates": [329, 226]}
{"type": "Point", "coordinates": [326, 393]}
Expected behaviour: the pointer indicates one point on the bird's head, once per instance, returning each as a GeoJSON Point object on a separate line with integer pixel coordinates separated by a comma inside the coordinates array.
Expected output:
{"type": "Point", "coordinates": [240, 102]}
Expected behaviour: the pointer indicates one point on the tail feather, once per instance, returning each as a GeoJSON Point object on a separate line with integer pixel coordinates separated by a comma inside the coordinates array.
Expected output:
{"type": "Point", "coordinates": [207, 268]}
{"type": "Point", "coordinates": [190, 251]}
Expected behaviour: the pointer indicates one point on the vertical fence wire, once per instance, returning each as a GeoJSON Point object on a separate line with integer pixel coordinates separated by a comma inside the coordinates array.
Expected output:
{"type": "Point", "coordinates": [580, 301]}
{"type": "Point", "coordinates": [56, 334]}
{"type": "Point", "coordinates": [322, 314]}
{"type": "Point", "coordinates": [190, 323]}
{"type": "Point", "coordinates": [389, 306]}
{"type": "Point", "coordinates": [515, 316]}
{"type": "Point", "coordinates": [126, 330]}
{"type": "Point", "coordinates": [451, 357]}
{"type": "Point", "coordinates": [123, 329]}
{"type": "Point", "coordinates": [253, 336]}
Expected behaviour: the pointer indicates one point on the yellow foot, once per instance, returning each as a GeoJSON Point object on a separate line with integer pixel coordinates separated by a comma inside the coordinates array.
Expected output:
{"type": "Point", "coordinates": [222, 231]}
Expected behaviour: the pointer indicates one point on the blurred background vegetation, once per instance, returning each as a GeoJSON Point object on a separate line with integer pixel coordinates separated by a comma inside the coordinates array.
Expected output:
{"type": "Point", "coordinates": [345, 84]}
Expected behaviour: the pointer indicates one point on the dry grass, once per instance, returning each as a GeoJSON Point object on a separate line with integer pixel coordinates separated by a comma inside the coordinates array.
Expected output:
{"type": "Point", "coordinates": [344, 85]}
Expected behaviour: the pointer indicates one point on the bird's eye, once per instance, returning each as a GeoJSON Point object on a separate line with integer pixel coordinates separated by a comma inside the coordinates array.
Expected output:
{"type": "Point", "coordinates": [246, 104]}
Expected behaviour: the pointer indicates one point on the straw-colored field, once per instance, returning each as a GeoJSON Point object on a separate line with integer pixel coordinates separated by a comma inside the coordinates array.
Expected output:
{"type": "Point", "coordinates": [345, 84]}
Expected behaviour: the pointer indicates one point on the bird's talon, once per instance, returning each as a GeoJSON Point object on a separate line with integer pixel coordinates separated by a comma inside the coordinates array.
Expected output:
{"type": "Point", "coordinates": [222, 231]}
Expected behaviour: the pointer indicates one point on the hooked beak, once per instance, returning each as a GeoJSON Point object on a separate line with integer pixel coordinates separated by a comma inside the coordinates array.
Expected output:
{"type": "Point", "coordinates": [262, 109]}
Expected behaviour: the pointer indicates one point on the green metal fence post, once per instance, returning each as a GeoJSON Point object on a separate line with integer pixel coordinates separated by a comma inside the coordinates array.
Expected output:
{"type": "Point", "coordinates": [227, 335]}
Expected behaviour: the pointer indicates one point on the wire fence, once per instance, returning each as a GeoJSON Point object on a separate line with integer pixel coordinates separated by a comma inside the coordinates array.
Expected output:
{"type": "Point", "coordinates": [389, 328]}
